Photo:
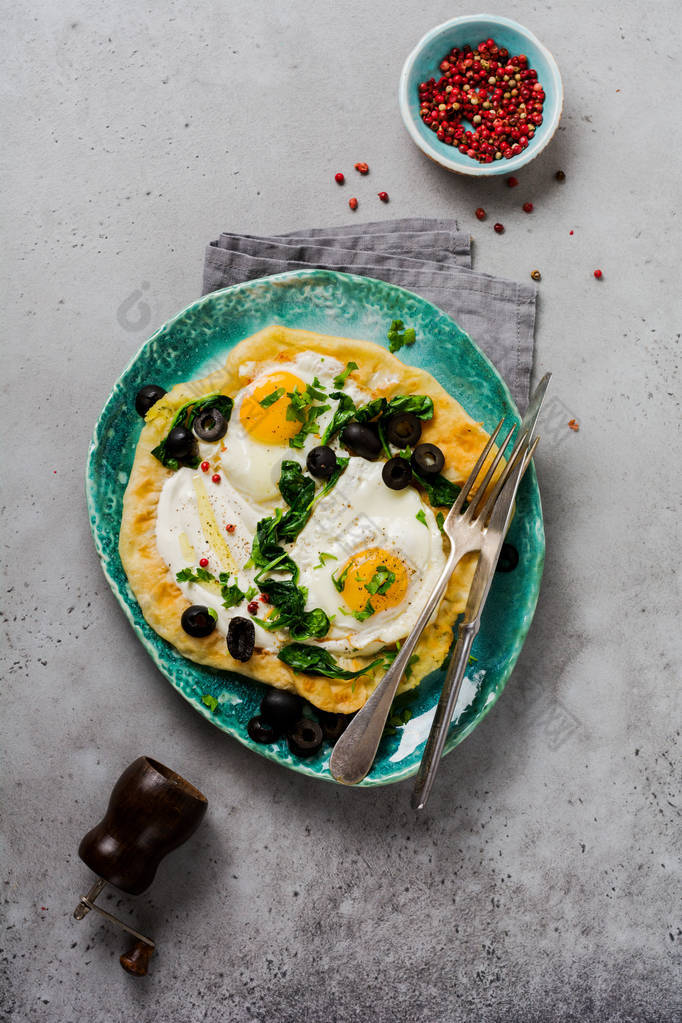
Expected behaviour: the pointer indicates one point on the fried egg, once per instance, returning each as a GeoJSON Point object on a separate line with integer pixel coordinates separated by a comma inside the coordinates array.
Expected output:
{"type": "Point", "coordinates": [258, 438]}
{"type": "Point", "coordinates": [359, 529]}
{"type": "Point", "coordinates": [365, 555]}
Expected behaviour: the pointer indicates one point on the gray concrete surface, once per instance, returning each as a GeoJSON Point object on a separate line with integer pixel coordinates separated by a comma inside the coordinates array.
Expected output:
{"type": "Point", "coordinates": [542, 884]}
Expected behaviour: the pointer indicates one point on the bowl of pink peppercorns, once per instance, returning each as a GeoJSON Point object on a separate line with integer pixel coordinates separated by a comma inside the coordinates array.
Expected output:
{"type": "Point", "coordinates": [481, 95]}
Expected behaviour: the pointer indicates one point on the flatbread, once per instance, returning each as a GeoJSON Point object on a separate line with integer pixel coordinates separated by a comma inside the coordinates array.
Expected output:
{"type": "Point", "coordinates": [160, 598]}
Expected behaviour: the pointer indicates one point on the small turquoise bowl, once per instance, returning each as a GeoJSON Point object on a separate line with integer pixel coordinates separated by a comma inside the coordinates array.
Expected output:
{"type": "Point", "coordinates": [423, 63]}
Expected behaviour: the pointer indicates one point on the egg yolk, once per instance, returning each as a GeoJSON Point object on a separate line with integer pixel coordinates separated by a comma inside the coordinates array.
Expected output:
{"type": "Point", "coordinates": [373, 570]}
{"type": "Point", "coordinates": [269, 425]}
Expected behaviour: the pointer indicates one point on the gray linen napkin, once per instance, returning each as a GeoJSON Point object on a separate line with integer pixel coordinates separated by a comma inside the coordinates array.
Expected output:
{"type": "Point", "coordinates": [429, 257]}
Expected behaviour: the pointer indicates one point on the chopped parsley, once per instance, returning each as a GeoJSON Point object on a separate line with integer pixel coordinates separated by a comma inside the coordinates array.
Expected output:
{"type": "Point", "coordinates": [361, 616]}
{"type": "Point", "coordinates": [271, 398]}
{"type": "Point", "coordinates": [324, 558]}
{"type": "Point", "coordinates": [422, 517]}
{"type": "Point", "coordinates": [189, 575]}
{"type": "Point", "coordinates": [410, 664]}
{"type": "Point", "coordinates": [340, 582]}
{"type": "Point", "coordinates": [400, 335]}
{"type": "Point", "coordinates": [366, 612]}
{"type": "Point", "coordinates": [440, 520]}
{"type": "Point", "coordinates": [381, 581]}
{"type": "Point", "coordinates": [231, 593]}
{"type": "Point", "coordinates": [302, 409]}
{"type": "Point", "coordinates": [210, 702]}
{"type": "Point", "coordinates": [340, 380]}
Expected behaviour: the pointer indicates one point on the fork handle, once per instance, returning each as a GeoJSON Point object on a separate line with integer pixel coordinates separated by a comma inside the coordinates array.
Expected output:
{"type": "Point", "coordinates": [433, 750]}
{"type": "Point", "coordinates": [354, 752]}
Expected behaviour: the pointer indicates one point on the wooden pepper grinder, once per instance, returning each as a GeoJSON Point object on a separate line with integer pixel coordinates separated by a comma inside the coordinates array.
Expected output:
{"type": "Point", "coordinates": [152, 810]}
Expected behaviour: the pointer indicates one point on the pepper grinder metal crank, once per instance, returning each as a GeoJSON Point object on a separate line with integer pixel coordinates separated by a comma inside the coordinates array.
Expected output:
{"type": "Point", "coordinates": [152, 810]}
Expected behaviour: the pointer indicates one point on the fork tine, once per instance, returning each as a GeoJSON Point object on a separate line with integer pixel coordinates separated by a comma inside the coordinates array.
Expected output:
{"type": "Point", "coordinates": [520, 446]}
{"type": "Point", "coordinates": [462, 496]}
{"type": "Point", "coordinates": [477, 501]}
{"type": "Point", "coordinates": [522, 452]}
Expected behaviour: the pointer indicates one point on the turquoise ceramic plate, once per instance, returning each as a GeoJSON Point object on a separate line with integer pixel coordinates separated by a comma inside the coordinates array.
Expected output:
{"type": "Point", "coordinates": [193, 344]}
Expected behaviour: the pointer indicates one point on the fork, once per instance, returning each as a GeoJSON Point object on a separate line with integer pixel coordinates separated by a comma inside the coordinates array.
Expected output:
{"type": "Point", "coordinates": [354, 752]}
{"type": "Point", "coordinates": [488, 542]}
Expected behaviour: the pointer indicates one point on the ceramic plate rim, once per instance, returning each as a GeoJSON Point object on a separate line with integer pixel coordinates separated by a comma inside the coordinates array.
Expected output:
{"type": "Point", "coordinates": [315, 275]}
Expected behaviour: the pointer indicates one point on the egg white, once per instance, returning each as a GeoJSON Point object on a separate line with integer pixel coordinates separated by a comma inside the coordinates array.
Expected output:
{"type": "Point", "coordinates": [360, 512]}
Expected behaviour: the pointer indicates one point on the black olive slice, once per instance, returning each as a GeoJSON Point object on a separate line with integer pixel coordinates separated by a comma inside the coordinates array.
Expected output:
{"type": "Point", "coordinates": [210, 424]}
{"type": "Point", "coordinates": [362, 439]}
{"type": "Point", "coordinates": [146, 397]}
{"type": "Point", "coordinates": [281, 709]}
{"type": "Point", "coordinates": [508, 559]}
{"type": "Point", "coordinates": [333, 725]}
{"type": "Point", "coordinates": [198, 621]}
{"type": "Point", "coordinates": [241, 638]}
{"type": "Point", "coordinates": [261, 730]}
{"type": "Point", "coordinates": [427, 459]}
{"type": "Point", "coordinates": [180, 442]}
{"type": "Point", "coordinates": [403, 429]}
{"type": "Point", "coordinates": [321, 462]}
{"type": "Point", "coordinates": [396, 473]}
{"type": "Point", "coordinates": [305, 738]}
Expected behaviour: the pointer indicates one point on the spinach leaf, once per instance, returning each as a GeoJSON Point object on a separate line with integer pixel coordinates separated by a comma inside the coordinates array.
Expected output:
{"type": "Point", "coordinates": [371, 410]}
{"type": "Point", "coordinates": [341, 464]}
{"type": "Point", "coordinates": [266, 553]}
{"type": "Point", "coordinates": [441, 491]}
{"type": "Point", "coordinates": [289, 601]}
{"type": "Point", "coordinates": [297, 489]}
{"type": "Point", "coordinates": [344, 414]}
{"type": "Point", "coordinates": [185, 416]}
{"type": "Point", "coordinates": [316, 661]}
{"type": "Point", "coordinates": [420, 405]}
